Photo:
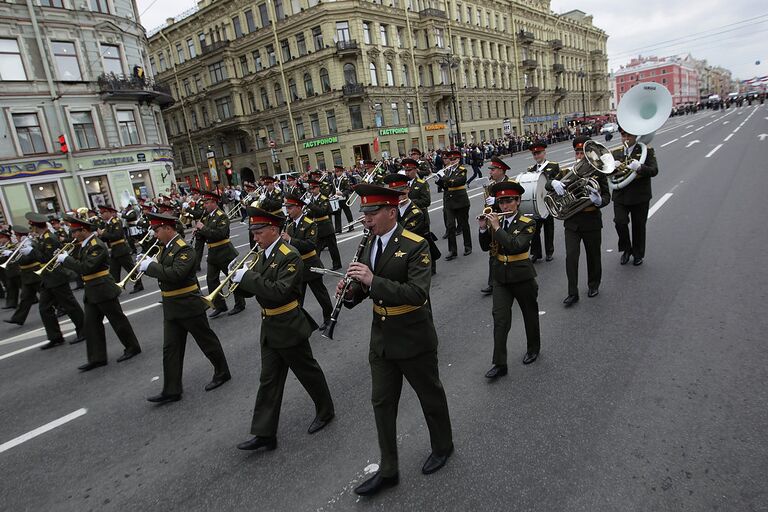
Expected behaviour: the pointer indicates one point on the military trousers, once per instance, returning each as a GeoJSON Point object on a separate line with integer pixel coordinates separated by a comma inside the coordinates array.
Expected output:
{"type": "Point", "coordinates": [95, 335]}
{"type": "Point", "coordinates": [13, 286]}
{"type": "Point", "coordinates": [122, 262]}
{"type": "Point", "coordinates": [175, 343]}
{"type": "Point", "coordinates": [213, 271]}
{"type": "Point", "coordinates": [199, 248]}
{"type": "Point", "coordinates": [62, 297]}
{"type": "Point", "coordinates": [638, 213]}
{"type": "Point", "coordinates": [423, 375]}
{"type": "Point", "coordinates": [27, 298]}
{"type": "Point", "coordinates": [275, 363]}
{"type": "Point", "coordinates": [321, 294]}
{"type": "Point", "coordinates": [337, 215]}
{"type": "Point", "coordinates": [548, 226]}
{"type": "Point", "coordinates": [458, 216]}
{"type": "Point", "coordinates": [592, 241]}
{"type": "Point", "coordinates": [329, 241]}
{"type": "Point", "coordinates": [504, 295]}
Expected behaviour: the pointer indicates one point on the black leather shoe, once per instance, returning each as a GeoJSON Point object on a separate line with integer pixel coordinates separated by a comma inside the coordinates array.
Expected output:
{"type": "Point", "coordinates": [9, 307]}
{"type": "Point", "coordinates": [319, 424]}
{"type": "Point", "coordinates": [78, 338]}
{"type": "Point", "coordinates": [498, 370]}
{"type": "Point", "coordinates": [435, 462]}
{"type": "Point", "coordinates": [127, 355]}
{"type": "Point", "coordinates": [90, 366]}
{"type": "Point", "coordinates": [60, 313]}
{"type": "Point", "coordinates": [467, 251]}
{"type": "Point", "coordinates": [236, 310]}
{"type": "Point", "coordinates": [550, 257]}
{"type": "Point", "coordinates": [625, 257]}
{"type": "Point", "coordinates": [136, 289]}
{"type": "Point", "coordinates": [451, 256]}
{"type": "Point", "coordinates": [534, 259]}
{"type": "Point", "coordinates": [593, 292]}
{"type": "Point", "coordinates": [52, 344]}
{"type": "Point", "coordinates": [530, 357]}
{"type": "Point", "coordinates": [376, 483]}
{"type": "Point", "coordinates": [13, 322]}
{"type": "Point", "coordinates": [268, 443]}
{"type": "Point", "coordinates": [487, 290]}
{"type": "Point", "coordinates": [217, 381]}
{"type": "Point", "coordinates": [637, 262]}
{"type": "Point", "coordinates": [571, 300]}
{"type": "Point", "coordinates": [162, 399]}
{"type": "Point", "coordinates": [216, 313]}
{"type": "Point", "coordinates": [322, 327]}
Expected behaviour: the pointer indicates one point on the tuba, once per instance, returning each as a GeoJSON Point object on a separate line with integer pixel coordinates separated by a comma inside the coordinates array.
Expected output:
{"type": "Point", "coordinates": [578, 181]}
{"type": "Point", "coordinates": [642, 111]}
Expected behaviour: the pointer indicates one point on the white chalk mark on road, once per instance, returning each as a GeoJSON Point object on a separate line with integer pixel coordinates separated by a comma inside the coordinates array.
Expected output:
{"type": "Point", "coordinates": [42, 430]}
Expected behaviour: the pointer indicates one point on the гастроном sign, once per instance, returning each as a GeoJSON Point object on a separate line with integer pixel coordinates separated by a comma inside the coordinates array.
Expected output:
{"type": "Point", "coordinates": [30, 169]}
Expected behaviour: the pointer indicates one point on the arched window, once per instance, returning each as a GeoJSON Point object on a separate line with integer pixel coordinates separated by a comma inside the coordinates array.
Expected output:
{"type": "Point", "coordinates": [308, 87]}
{"type": "Point", "coordinates": [350, 75]}
{"type": "Point", "coordinates": [279, 95]}
{"type": "Point", "coordinates": [374, 76]}
{"type": "Point", "coordinates": [292, 89]}
{"type": "Point", "coordinates": [264, 98]}
{"type": "Point", "coordinates": [325, 81]}
{"type": "Point", "coordinates": [390, 75]}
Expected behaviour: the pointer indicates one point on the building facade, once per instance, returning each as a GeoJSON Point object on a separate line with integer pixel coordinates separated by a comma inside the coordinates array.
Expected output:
{"type": "Point", "coordinates": [80, 119]}
{"type": "Point", "coordinates": [677, 75]}
{"type": "Point", "coordinates": [336, 82]}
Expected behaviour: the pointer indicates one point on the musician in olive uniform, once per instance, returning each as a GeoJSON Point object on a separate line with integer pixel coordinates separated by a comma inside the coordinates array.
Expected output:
{"type": "Point", "coordinates": [455, 203]}
{"type": "Point", "coordinates": [171, 211]}
{"type": "Point", "coordinates": [54, 287]}
{"type": "Point", "coordinates": [271, 199]}
{"type": "Point", "coordinates": [293, 186]}
{"type": "Point", "coordinates": [342, 185]}
{"type": "Point", "coordinates": [183, 309]}
{"type": "Point", "coordinates": [214, 229]}
{"type": "Point", "coordinates": [419, 188]}
{"type": "Point", "coordinates": [28, 280]}
{"type": "Point", "coordinates": [320, 211]}
{"type": "Point", "coordinates": [119, 251]}
{"type": "Point", "coordinates": [90, 259]}
{"type": "Point", "coordinates": [394, 271]}
{"type": "Point", "coordinates": [301, 233]}
{"type": "Point", "coordinates": [584, 226]}
{"type": "Point", "coordinates": [550, 170]}
{"type": "Point", "coordinates": [197, 212]}
{"type": "Point", "coordinates": [632, 201]}
{"type": "Point", "coordinates": [514, 277]}
{"type": "Point", "coordinates": [409, 216]}
{"type": "Point", "coordinates": [11, 273]}
{"type": "Point", "coordinates": [497, 173]}
{"type": "Point", "coordinates": [275, 281]}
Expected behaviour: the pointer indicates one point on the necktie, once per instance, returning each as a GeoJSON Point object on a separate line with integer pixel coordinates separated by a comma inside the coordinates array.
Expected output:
{"type": "Point", "coordinates": [379, 250]}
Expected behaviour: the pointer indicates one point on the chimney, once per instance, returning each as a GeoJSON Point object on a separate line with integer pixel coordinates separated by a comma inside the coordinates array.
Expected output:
{"type": "Point", "coordinates": [170, 21]}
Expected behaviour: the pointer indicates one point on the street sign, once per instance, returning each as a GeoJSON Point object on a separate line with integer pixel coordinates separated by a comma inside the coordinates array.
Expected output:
{"type": "Point", "coordinates": [507, 126]}
{"type": "Point", "coordinates": [214, 172]}
{"type": "Point", "coordinates": [274, 155]}
{"type": "Point", "coordinates": [272, 143]}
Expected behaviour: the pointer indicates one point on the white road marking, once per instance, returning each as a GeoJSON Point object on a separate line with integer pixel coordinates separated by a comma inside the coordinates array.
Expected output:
{"type": "Point", "coordinates": [153, 379]}
{"type": "Point", "coordinates": [670, 142]}
{"type": "Point", "coordinates": [713, 151]}
{"type": "Point", "coordinates": [658, 204]}
{"type": "Point", "coordinates": [699, 128]}
{"type": "Point", "coordinates": [692, 143]}
{"type": "Point", "coordinates": [687, 134]}
{"type": "Point", "coordinates": [728, 137]}
{"type": "Point", "coordinates": [609, 250]}
{"type": "Point", "coordinates": [25, 349]}
{"type": "Point", "coordinates": [542, 313]}
{"type": "Point", "coordinates": [42, 430]}
{"type": "Point", "coordinates": [689, 126]}
{"type": "Point", "coordinates": [725, 122]}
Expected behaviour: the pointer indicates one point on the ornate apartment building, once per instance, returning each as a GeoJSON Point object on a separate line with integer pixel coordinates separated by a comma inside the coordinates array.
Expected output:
{"type": "Point", "coordinates": [334, 82]}
{"type": "Point", "coordinates": [72, 76]}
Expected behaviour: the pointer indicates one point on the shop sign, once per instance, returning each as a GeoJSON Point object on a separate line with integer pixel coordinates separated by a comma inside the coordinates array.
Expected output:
{"type": "Point", "coordinates": [392, 131]}
{"type": "Point", "coordinates": [435, 126]}
{"type": "Point", "coordinates": [31, 169]}
{"type": "Point", "coordinates": [141, 157]}
{"type": "Point", "coordinates": [162, 155]}
{"type": "Point", "coordinates": [320, 142]}
{"type": "Point", "coordinates": [507, 124]}
{"type": "Point", "coordinates": [541, 119]}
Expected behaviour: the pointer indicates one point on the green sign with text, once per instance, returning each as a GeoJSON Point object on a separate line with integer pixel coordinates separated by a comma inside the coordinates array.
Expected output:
{"type": "Point", "coordinates": [392, 131]}
{"type": "Point", "coordinates": [320, 142]}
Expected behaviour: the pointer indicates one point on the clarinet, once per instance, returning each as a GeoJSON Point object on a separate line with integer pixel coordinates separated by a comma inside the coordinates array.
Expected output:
{"type": "Point", "coordinates": [328, 332]}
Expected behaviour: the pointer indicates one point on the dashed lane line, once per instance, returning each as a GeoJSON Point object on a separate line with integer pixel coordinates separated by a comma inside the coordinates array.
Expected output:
{"type": "Point", "coordinates": [670, 142]}
{"type": "Point", "coordinates": [658, 204]}
{"type": "Point", "coordinates": [713, 151]}
{"type": "Point", "coordinates": [42, 430]}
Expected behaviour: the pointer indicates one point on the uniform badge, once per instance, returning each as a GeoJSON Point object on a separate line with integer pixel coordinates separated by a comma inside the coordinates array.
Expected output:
{"type": "Point", "coordinates": [94, 253]}
{"type": "Point", "coordinates": [515, 232]}
{"type": "Point", "coordinates": [425, 260]}
{"type": "Point", "coordinates": [273, 265]}
{"type": "Point", "coordinates": [311, 232]}
{"type": "Point", "coordinates": [291, 267]}
{"type": "Point", "coordinates": [400, 254]}
{"type": "Point", "coordinates": [531, 229]}
{"type": "Point", "coordinates": [183, 257]}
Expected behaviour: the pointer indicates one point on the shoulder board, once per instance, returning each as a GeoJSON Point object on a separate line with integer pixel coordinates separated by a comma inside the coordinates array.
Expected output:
{"type": "Point", "coordinates": [308, 220]}
{"type": "Point", "coordinates": [416, 210]}
{"type": "Point", "coordinates": [323, 198]}
{"type": "Point", "coordinates": [419, 180]}
{"type": "Point", "coordinates": [181, 243]}
{"type": "Point", "coordinates": [94, 242]}
{"type": "Point", "coordinates": [412, 236]}
{"type": "Point", "coordinates": [525, 219]}
{"type": "Point", "coordinates": [284, 249]}
{"type": "Point", "coordinates": [47, 234]}
{"type": "Point", "coordinates": [219, 212]}
{"type": "Point", "coordinates": [114, 220]}
{"type": "Point", "coordinates": [554, 163]}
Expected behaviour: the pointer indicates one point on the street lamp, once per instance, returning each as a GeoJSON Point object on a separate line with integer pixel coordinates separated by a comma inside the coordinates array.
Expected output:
{"type": "Point", "coordinates": [581, 74]}
{"type": "Point", "coordinates": [450, 62]}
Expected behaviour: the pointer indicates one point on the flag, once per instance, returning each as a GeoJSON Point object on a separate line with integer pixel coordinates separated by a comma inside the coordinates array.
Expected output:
{"type": "Point", "coordinates": [375, 144]}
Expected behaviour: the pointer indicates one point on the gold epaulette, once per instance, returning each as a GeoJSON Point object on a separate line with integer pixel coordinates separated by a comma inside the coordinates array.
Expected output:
{"type": "Point", "coordinates": [419, 180]}
{"type": "Point", "coordinates": [416, 210]}
{"type": "Point", "coordinates": [94, 242]}
{"type": "Point", "coordinates": [219, 212]}
{"type": "Point", "coordinates": [308, 220]}
{"type": "Point", "coordinates": [412, 236]}
{"type": "Point", "coordinates": [181, 243]}
{"type": "Point", "coordinates": [525, 219]}
{"type": "Point", "coordinates": [323, 198]}
{"type": "Point", "coordinates": [284, 249]}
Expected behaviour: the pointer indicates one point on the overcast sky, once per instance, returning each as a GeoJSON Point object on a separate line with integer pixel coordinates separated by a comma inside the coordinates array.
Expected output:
{"type": "Point", "coordinates": [729, 33]}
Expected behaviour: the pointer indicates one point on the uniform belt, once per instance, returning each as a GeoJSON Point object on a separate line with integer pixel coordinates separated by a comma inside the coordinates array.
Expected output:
{"type": "Point", "coordinates": [394, 310]}
{"type": "Point", "coordinates": [282, 309]}
{"type": "Point", "coordinates": [512, 257]}
{"type": "Point", "coordinates": [589, 209]}
{"type": "Point", "coordinates": [320, 219]}
{"type": "Point", "coordinates": [453, 189]}
{"type": "Point", "coordinates": [309, 254]}
{"type": "Point", "coordinates": [211, 245]}
{"type": "Point", "coordinates": [88, 277]}
{"type": "Point", "coordinates": [174, 293]}
{"type": "Point", "coordinates": [117, 242]}
{"type": "Point", "coordinates": [31, 265]}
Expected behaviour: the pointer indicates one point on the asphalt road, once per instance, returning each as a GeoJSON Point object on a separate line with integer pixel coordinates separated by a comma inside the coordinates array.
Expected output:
{"type": "Point", "coordinates": [650, 396]}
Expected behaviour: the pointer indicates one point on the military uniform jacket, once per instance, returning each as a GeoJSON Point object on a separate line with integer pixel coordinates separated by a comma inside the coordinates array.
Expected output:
{"type": "Point", "coordinates": [297, 190]}
{"type": "Point", "coordinates": [28, 265]}
{"type": "Point", "coordinates": [43, 249]}
{"type": "Point", "coordinates": [342, 185]}
{"type": "Point", "coordinates": [114, 236]}
{"type": "Point", "coordinates": [304, 240]}
{"type": "Point", "coordinates": [514, 240]}
{"type": "Point", "coordinates": [214, 231]}
{"type": "Point", "coordinates": [92, 262]}
{"type": "Point", "coordinates": [175, 273]}
{"type": "Point", "coordinates": [319, 210]}
{"type": "Point", "coordinates": [551, 170]}
{"type": "Point", "coordinates": [326, 186]}
{"type": "Point", "coordinates": [420, 194]}
{"type": "Point", "coordinates": [639, 191]}
{"type": "Point", "coordinates": [401, 282]}
{"type": "Point", "coordinates": [589, 218]}
{"type": "Point", "coordinates": [454, 185]}
{"type": "Point", "coordinates": [276, 283]}
{"type": "Point", "coordinates": [273, 200]}
{"type": "Point", "coordinates": [414, 220]}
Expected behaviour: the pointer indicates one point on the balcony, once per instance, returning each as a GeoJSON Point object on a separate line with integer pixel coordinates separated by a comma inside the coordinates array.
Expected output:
{"type": "Point", "coordinates": [532, 90]}
{"type": "Point", "coordinates": [347, 48]}
{"type": "Point", "coordinates": [213, 47]}
{"type": "Point", "coordinates": [433, 13]}
{"type": "Point", "coordinates": [596, 53]}
{"type": "Point", "coordinates": [558, 68]}
{"type": "Point", "coordinates": [556, 44]}
{"type": "Point", "coordinates": [525, 37]}
{"type": "Point", "coordinates": [530, 64]}
{"type": "Point", "coordinates": [130, 88]}
{"type": "Point", "coordinates": [561, 91]}
{"type": "Point", "coordinates": [353, 91]}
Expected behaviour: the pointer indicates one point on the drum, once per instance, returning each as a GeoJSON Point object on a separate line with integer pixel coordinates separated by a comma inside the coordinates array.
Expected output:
{"type": "Point", "coordinates": [335, 205]}
{"type": "Point", "coordinates": [134, 231]}
{"type": "Point", "coordinates": [532, 201]}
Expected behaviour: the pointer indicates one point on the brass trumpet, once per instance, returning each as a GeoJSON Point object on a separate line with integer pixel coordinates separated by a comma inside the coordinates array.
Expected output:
{"type": "Point", "coordinates": [52, 263]}
{"type": "Point", "coordinates": [16, 254]}
{"type": "Point", "coordinates": [130, 277]}
{"type": "Point", "coordinates": [208, 299]}
{"type": "Point", "coordinates": [489, 211]}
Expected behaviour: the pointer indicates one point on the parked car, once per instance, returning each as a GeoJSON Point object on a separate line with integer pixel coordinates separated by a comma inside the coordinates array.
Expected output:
{"type": "Point", "coordinates": [609, 128]}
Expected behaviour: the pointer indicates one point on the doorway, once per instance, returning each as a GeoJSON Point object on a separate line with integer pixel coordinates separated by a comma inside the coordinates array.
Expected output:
{"type": "Point", "coordinates": [361, 152]}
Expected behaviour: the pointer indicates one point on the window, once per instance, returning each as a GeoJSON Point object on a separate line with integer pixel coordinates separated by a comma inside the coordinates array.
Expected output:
{"type": "Point", "coordinates": [409, 112]}
{"type": "Point", "coordinates": [264, 15]}
{"type": "Point", "coordinates": [400, 37]}
{"type": "Point", "coordinates": [271, 59]}
{"type": "Point", "coordinates": [152, 65]}
{"type": "Point", "coordinates": [355, 117]}
{"type": "Point", "coordinates": [191, 48]}
{"type": "Point", "coordinates": [193, 116]}
{"type": "Point", "coordinates": [350, 75]}
{"type": "Point", "coordinates": [249, 21]}
{"type": "Point", "coordinates": [11, 65]}
{"type": "Point", "coordinates": [325, 81]}
{"type": "Point", "coordinates": [317, 38]}
{"type": "Point", "coordinates": [198, 83]}
{"type": "Point", "coordinates": [383, 37]}
{"type": "Point", "coordinates": [66, 61]}
{"type": "Point", "coordinates": [286, 131]}
{"type": "Point", "coordinates": [100, 6]}
{"type": "Point", "coordinates": [244, 65]}
{"type": "Point", "coordinates": [395, 114]}
{"type": "Point", "coordinates": [279, 11]}
{"type": "Point", "coordinates": [129, 132]}
{"type": "Point", "coordinates": [299, 124]}
{"type": "Point", "coordinates": [295, 6]}
{"type": "Point", "coordinates": [390, 75]}
{"type": "Point", "coordinates": [292, 91]}
{"type": "Point", "coordinates": [330, 117]}
{"type": "Point", "coordinates": [458, 12]}
{"type": "Point", "coordinates": [367, 32]}
{"type": "Point", "coordinates": [279, 95]}
{"type": "Point", "coordinates": [406, 76]}
{"type": "Point", "coordinates": [314, 122]}
{"type": "Point", "coordinates": [252, 102]}
{"type": "Point", "coordinates": [47, 197]}
{"type": "Point", "coordinates": [52, 3]}
{"type": "Point", "coordinates": [425, 110]}
{"type": "Point", "coordinates": [336, 155]}
{"type": "Point", "coordinates": [162, 61]}
{"type": "Point", "coordinates": [238, 28]}
{"type": "Point", "coordinates": [378, 115]}
{"type": "Point", "coordinates": [309, 89]}
{"type": "Point", "coordinates": [29, 134]}
{"type": "Point", "coordinates": [224, 108]}
{"type": "Point", "coordinates": [285, 49]}
{"type": "Point", "coordinates": [374, 77]}
{"type": "Point", "coordinates": [201, 39]}
{"type": "Point", "coordinates": [342, 31]}
{"type": "Point", "coordinates": [301, 45]}
{"type": "Point", "coordinates": [217, 72]}
{"type": "Point", "coordinates": [264, 98]}
{"type": "Point", "coordinates": [439, 38]}
{"type": "Point", "coordinates": [206, 119]}
{"type": "Point", "coordinates": [180, 53]}
{"type": "Point", "coordinates": [320, 157]}
{"type": "Point", "coordinates": [187, 87]}
{"type": "Point", "coordinates": [257, 60]}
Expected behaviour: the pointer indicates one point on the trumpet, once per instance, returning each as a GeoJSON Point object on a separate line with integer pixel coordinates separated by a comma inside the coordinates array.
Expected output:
{"type": "Point", "coordinates": [234, 211]}
{"type": "Point", "coordinates": [219, 291]}
{"type": "Point", "coordinates": [15, 255]}
{"type": "Point", "coordinates": [359, 220]}
{"type": "Point", "coordinates": [489, 211]}
{"type": "Point", "coordinates": [144, 238]}
{"type": "Point", "coordinates": [52, 264]}
{"type": "Point", "coordinates": [368, 178]}
{"type": "Point", "coordinates": [153, 251]}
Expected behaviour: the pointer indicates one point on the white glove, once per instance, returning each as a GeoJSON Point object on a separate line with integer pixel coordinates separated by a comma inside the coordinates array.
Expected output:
{"type": "Point", "coordinates": [490, 201]}
{"type": "Point", "coordinates": [25, 250]}
{"type": "Point", "coordinates": [559, 187]}
{"type": "Point", "coordinates": [7, 253]}
{"type": "Point", "coordinates": [61, 257]}
{"type": "Point", "coordinates": [441, 173]}
{"type": "Point", "coordinates": [239, 275]}
{"type": "Point", "coordinates": [144, 264]}
{"type": "Point", "coordinates": [594, 196]}
{"type": "Point", "coordinates": [232, 264]}
{"type": "Point", "coordinates": [634, 165]}
{"type": "Point", "coordinates": [262, 197]}
{"type": "Point", "coordinates": [185, 205]}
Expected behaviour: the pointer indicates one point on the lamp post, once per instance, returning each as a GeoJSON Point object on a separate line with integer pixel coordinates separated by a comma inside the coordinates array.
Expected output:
{"type": "Point", "coordinates": [450, 62]}
{"type": "Point", "coordinates": [581, 74]}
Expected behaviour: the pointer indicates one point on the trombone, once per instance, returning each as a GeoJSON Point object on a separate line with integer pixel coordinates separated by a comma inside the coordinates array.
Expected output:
{"type": "Point", "coordinates": [15, 255]}
{"type": "Point", "coordinates": [368, 178]}
{"type": "Point", "coordinates": [130, 277]}
{"type": "Point", "coordinates": [52, 264]}
{"type": "Point", "coordinates": [219, 291]}
{"type": "Point", "coordinates": [359, 220]}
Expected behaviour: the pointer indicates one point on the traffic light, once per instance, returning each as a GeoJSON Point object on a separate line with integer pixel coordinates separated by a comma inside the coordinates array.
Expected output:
{"type": "Point", "coordinates": [229, 177]}
{"type": "Point", "coordinates": [63, 144]}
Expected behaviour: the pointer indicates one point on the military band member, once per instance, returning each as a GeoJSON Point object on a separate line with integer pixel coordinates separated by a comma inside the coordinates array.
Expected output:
{"type": "Point", "coordinates": [130, 214]}
{"type": "Point", "coordinates": [29, 282]}
{"type": "Point", "coordinates": [119, 251]}
{"type": "Point", "coordinates": [54, 286]}
{"type": "Point", "coordinates": [425, 166]}
{"type": "Point", "coordinates": [271, 199]}
{"type": "Point", "coordinates": [497, 173]}
{"type": "Point", "coordinates": [550, 170]}
{"type": "Point", "coordinates": [91, 259]}
{"type": "Point", "coordinates": [276, 281]}
{"type": "Point", "coordinates": [301, 233]}
{"type": "Point", "coordinates": [342, 185]}
{"type": "Point", "coordinates": [183, 310]}
{"type": "Point", "coordinates": [585, 226]}
{"type": "Point", "coordinates": [171, 211]}
{"type": "Point", "coordinates": [455, 203]}
{"type": "Point", "coordinates": [326, 186]}
{"type": "Point", "coordinates": [319, 210]}
{"type": "Point", "coordinates": [214, 229]}
{"type": "Point", "coordinates": [11, 274]}
{"type": "Point", "coordinates": [197, 212]}
{"type": "Point", "coordinates": [409, 216]}
{"type": "Point", "coordinates": [419, 188]}
{"type": "Point", "coordinates": [394, 271]}
{"type": "Point", "coordinates": [292, 186]}
{"type": "Point", "coordinates": [514, 277]}
{"type": "Point", "coordinates": [633, 200]}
